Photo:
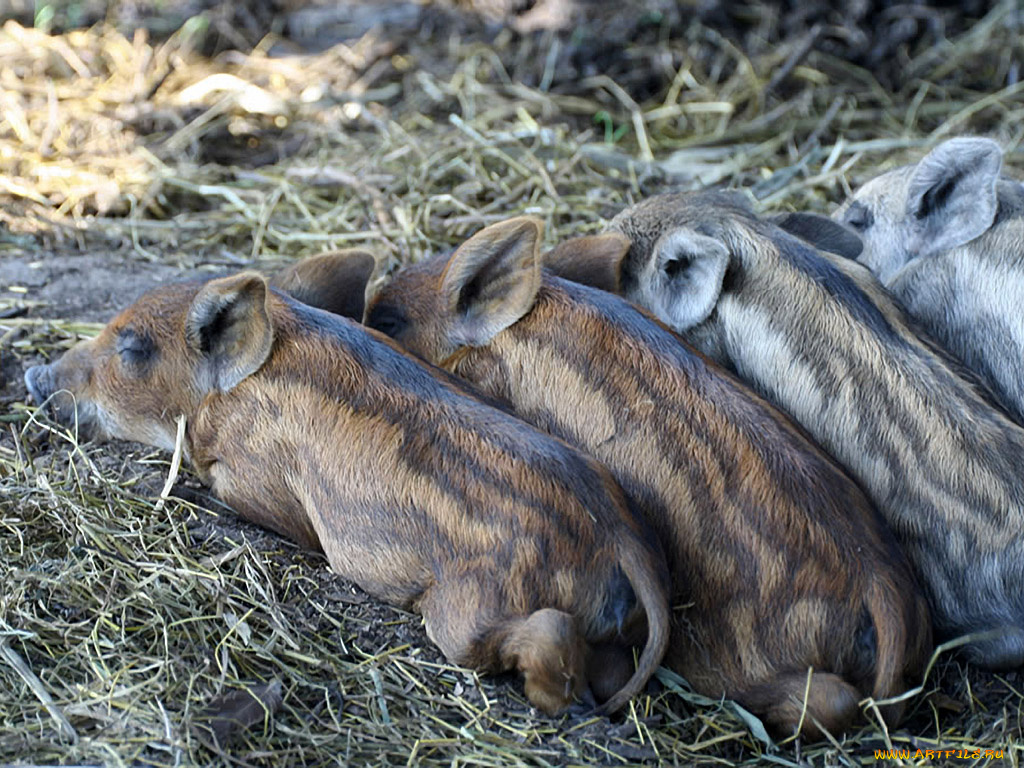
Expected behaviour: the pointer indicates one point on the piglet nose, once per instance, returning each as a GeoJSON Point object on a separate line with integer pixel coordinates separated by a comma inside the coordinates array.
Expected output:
{"type": "Point", "coordinates": [37, 379]}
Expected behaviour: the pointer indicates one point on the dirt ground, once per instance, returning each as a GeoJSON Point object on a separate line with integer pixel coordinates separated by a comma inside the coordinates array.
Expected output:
{"type": "Point", "coordinates": [128, 624]}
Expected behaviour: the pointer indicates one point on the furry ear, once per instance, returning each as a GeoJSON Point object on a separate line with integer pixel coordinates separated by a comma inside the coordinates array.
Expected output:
{"type": "Point", "coordinates": [951, 198]}
{"type": "Point", "coordinates": [594, 260]}
{"type": "Point", "coordinates": [683, 279]}
{"type": "Point", "coordinates": [823, 233]}
{"type": "Point", "coordinates": [492, 279]}
{"type": "Point", "coordinates": [334, 282]}
{"type": "Point", "coordinates": [229, 326]}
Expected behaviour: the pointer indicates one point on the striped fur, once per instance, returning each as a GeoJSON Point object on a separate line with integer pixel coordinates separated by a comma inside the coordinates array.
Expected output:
{"type": "Point", "coordinates": [519, 551]}
{"type": "Point", "coordinates": [818, 336]}
{"type": "Point", "coordinates": [779, 563]}
{"type": "Point", "coordinates": [968, 292]}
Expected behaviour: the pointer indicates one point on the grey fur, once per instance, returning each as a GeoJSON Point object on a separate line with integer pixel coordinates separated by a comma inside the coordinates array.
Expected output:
{"type": "Point", "coordinates": [818, 335]}
{"type": "Point", "coordinates": [965, 285]}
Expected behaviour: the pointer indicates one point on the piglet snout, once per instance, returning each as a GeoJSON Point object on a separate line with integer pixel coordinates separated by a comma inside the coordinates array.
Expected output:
{"type": "Point", "coordinates": [39, 380]}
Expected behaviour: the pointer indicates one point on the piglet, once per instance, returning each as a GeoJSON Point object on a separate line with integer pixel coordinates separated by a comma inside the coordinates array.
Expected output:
{"type": "Point", "coordinates": [519, 551]}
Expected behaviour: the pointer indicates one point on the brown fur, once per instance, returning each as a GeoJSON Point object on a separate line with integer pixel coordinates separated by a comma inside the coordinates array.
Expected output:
{"type": "Point", "coordinates": [334, 282]}
{"type": "Point", "coordinates": [518, 550]}
{"type": "Point", "coordinates": [821, 701]}
{"type": "Point", "coordinates": [780, 560]}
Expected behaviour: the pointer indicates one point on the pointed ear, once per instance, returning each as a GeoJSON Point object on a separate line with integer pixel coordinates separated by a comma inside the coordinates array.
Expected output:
{"type": "Point", "coordinates": [229, 326]}
{"type": "Point", "coordinates": [684, 278]}
{"type": "Point", "coordinates": [334, 282]}
{"type": "Point", "coordinates": [821, 232]}
{"type": "Point", "coordinates": [594, 260]}
{"type": "Point", "coordinates": [492, 279]}
{"type": "Point", "coordinates": [952, 194]}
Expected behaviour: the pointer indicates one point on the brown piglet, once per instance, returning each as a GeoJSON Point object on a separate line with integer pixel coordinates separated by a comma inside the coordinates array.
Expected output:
{"type": "Point", "coordinates": [780, 565]}
{"type": "Point", "coordinates": [519, 551]}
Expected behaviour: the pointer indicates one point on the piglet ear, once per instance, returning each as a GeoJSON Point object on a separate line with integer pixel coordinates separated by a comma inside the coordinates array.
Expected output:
{"type": "Point", "coordinates": [683, 280]}
{"type": "Point", "coordinates": [594, 260]}
{"type": "Point", "coordinates": [228, 326]}
{"type": "Point", "coordinates": [823, 233]}
{"type": "Point", "coordinates": [334, 282]}
{"type": "Point", "coordinates": [492, 279]}
{"type": "Point", "coordinates": [951, 198]}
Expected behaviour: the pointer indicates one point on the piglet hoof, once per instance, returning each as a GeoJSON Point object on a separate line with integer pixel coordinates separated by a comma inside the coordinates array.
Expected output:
{"type": "Point", "coordinates": [585, 708]}
{"type": "Point", "coordinates": [549, 652]}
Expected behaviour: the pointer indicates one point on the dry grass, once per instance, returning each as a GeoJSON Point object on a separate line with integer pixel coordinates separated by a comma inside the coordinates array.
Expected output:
{"type": "Point", "coordinates": [125, 623]}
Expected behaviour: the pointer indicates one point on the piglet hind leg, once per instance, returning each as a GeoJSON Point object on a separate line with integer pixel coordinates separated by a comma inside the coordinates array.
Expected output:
{"type": "Point", "coordinates": [609, 668]}
{"type": "Point", "coordinates": [547, 649]}
{"type": "Point", "coordinates": [999, 649]}
{"type": "Point", "coordinates": [791, 701]}
{"type": "Point", "coordinates": [545, 646]}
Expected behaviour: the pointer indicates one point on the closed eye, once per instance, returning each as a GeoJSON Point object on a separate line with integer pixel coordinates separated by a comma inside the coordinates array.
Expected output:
{"type": "Point", "coordinates": [389, 320]}
{"type": "Point", "coordinates": [858, 217]}
{"type": "Point", "coordinates": [135, 349]}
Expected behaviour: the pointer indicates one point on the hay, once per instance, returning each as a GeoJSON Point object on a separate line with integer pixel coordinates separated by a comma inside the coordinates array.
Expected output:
{"type": "Point", "coordinates": [129, 618]}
